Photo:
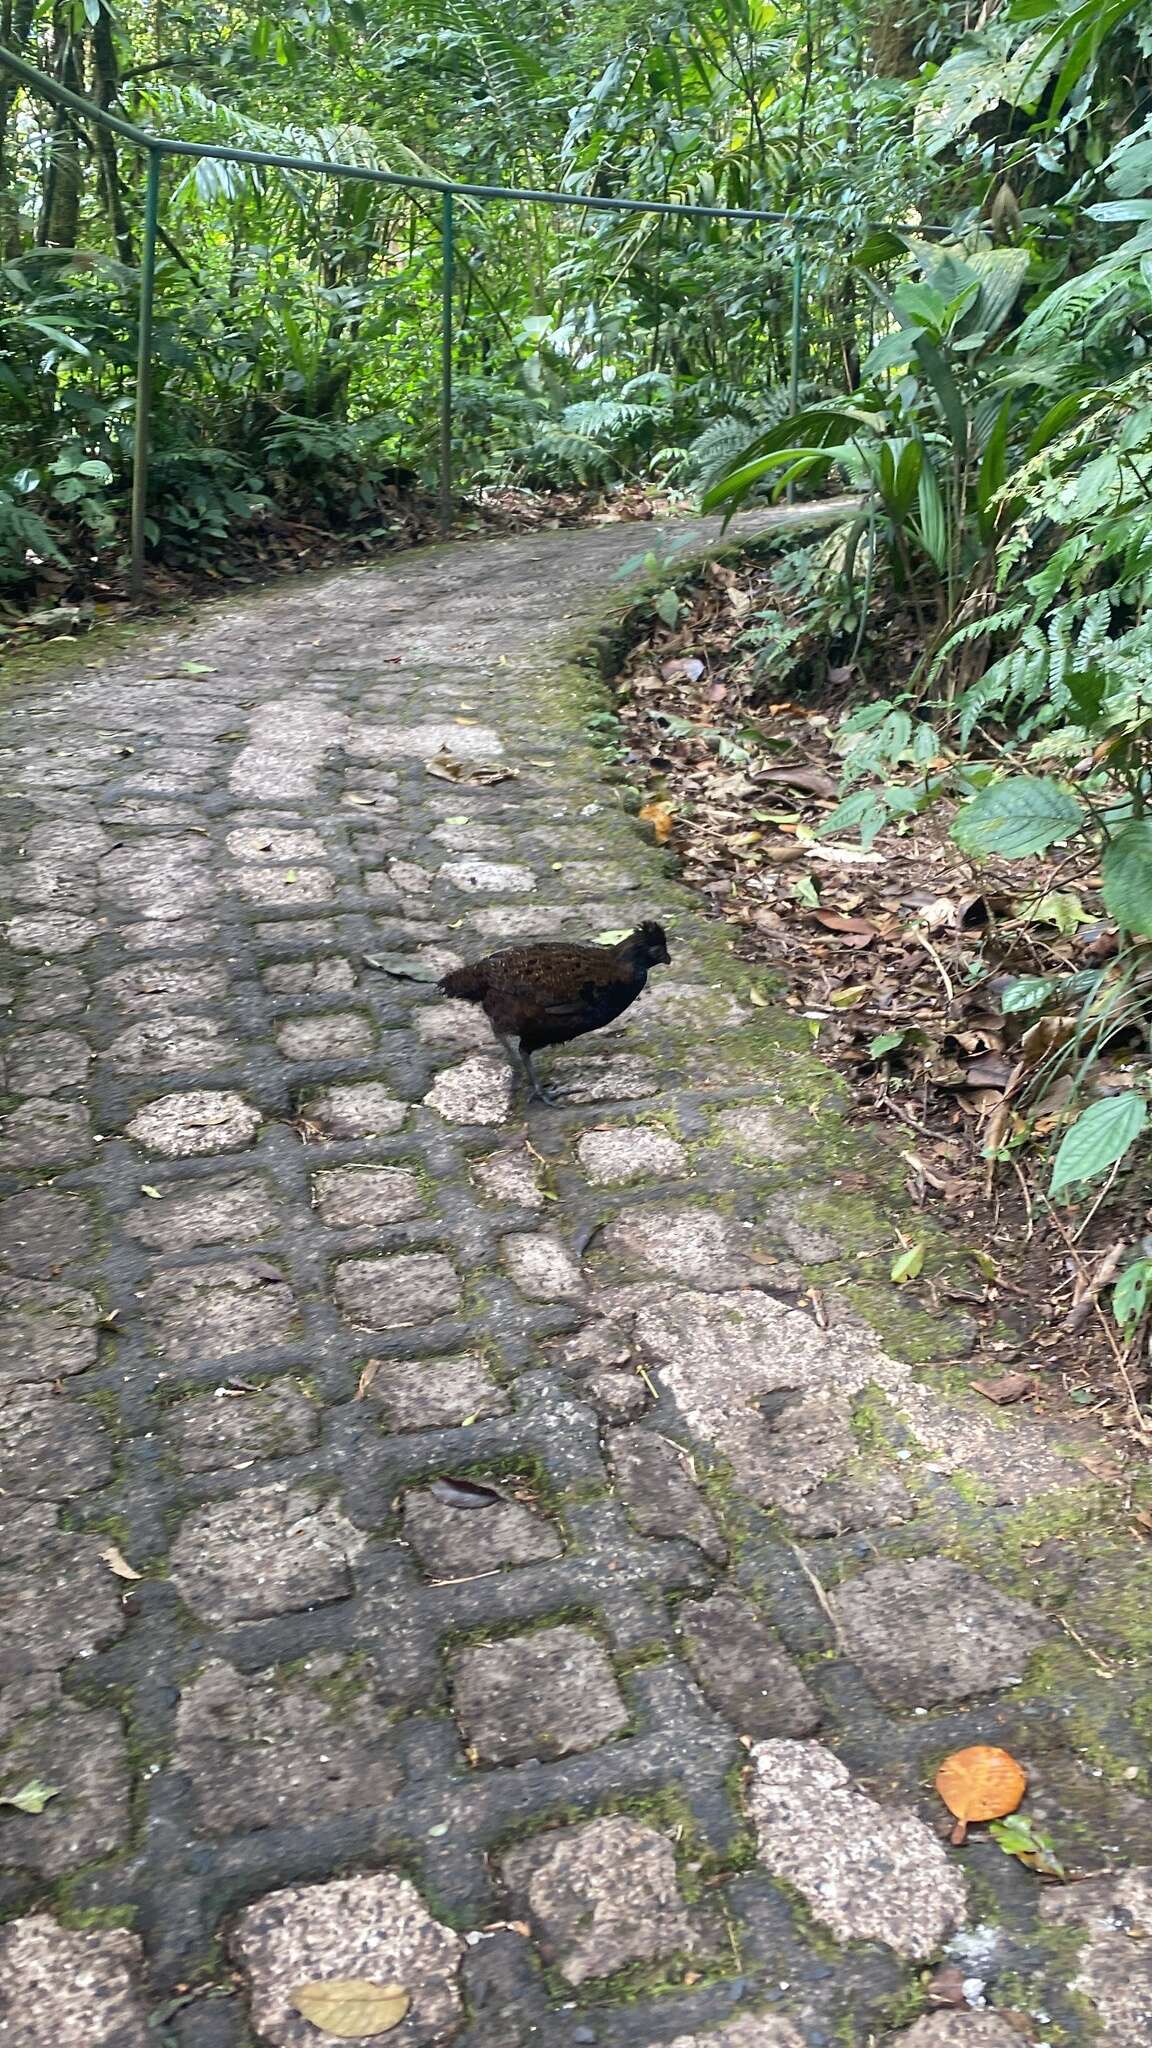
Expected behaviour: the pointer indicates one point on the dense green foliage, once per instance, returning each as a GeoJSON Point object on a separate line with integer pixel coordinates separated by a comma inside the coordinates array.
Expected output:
{"type": "Point", "coordinates": [296, 337]}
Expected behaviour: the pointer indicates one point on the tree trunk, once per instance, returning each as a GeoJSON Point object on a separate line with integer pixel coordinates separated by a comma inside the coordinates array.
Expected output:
{"type": "Point", "coordinates": [59, 223]}
{"type": "Point", "coordinates": [15, 30]}
{"type": "Point", "coordinates": [106, 87]}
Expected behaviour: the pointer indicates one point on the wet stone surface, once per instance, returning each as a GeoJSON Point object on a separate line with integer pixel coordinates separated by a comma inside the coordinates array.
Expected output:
{"type": "Point", "coordinates": [603, 1896]}
{"type": "Point", "coordinates": [271, 1751]}
{"type": "Point", "coordinates": [533, 1603]}
{"type": "Point", "coordinates": [450, 1539]}
{"type": "Point", "coordinates": [958, 1635]}
{"type": "Point", "coordinates": [548, 1694]}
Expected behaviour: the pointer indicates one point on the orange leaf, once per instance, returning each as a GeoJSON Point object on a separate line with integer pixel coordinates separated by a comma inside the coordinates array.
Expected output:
{"type": "Point", "coordinates": [981, 1783]}
{"type": "Point", "coordinates": [659, 816]}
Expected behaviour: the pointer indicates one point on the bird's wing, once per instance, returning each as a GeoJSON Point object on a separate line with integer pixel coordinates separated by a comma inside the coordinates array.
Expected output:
{"type": "Point", "coordinates": [568, 1006]}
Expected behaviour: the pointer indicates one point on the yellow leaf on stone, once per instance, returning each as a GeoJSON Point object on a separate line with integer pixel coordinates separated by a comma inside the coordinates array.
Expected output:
{"type": "Point", "coordinates": [981, 1783]}
{"type": "Point", "coordinates": [118, 1563]}
{"type": "Point", "coordinates": [351, 2008]}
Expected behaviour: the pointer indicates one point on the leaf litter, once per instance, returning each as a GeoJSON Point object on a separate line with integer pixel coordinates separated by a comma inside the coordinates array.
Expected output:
{"type": "Point", "coordinates": [921, 975]}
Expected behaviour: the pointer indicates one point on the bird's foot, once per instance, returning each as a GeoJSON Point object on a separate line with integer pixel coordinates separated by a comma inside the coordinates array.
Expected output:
{"type": "Point", "coordinates": [546, 1095]}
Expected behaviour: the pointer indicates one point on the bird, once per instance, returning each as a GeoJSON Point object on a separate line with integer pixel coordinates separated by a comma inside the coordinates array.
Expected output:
{"type": "Point", "coordinates": [547, 992]}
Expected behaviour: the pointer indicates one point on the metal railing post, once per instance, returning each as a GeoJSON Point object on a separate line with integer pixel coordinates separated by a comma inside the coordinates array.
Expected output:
{"type": "Point", "coordinates": [447, 269]}
{"type": "Point", "coordinates": [797, 325]}
{"type": "Point", "coordinates": [141, 439]}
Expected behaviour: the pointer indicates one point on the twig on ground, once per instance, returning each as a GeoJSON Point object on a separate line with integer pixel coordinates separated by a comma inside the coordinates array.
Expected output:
{"type": "Point", "coordinates": [1092, 1285]}
{"type": "Point", "coordinates": [941, 970]}
{"type": "Point", "coordinates": [820, 1591]}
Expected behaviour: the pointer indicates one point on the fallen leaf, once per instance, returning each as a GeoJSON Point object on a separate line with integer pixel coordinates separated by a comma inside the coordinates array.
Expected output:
{"type": "Point", "coordinates": [351, 2008]}
{"type": "Point", "coordinates": [981, 1783]}
{"type": "Point", "coordinates": [886, 1042]}
{"type": "Point", "coordinates": [993, 1071]}
{"type": "Point", "coordinates": [152, 1193]}
{"type": "Point", "coordinates": [757, 998]}
{"type": "Point", "coordinates": [118, 1563]}
{"type": "Point", "coordinates": [947, 1986]}
{"type": "Point", "coordinates": [366, 1378]}
{"type": "Point", "coordinates": [611, 938]}
{"type": "Point", "coordinates": [1011, 1386]}
{"type": "Point", "coordinates": [847, 998]}
{"type": "Point", "coordinates": [1060, 908]}
{"type": "Point", "coordinates": [464, 1493]}
{"type": "Point", "coordinates": [659, 816]}
{"type": "Point", "coordinates": [1047, 1035]}
{"type": "Point", "coordinates": [1018, 1837]}
{"type": "Point", "coordinates": [908, 1264]}
{"type": "Point", "coordinates": [814, 780]}
{"type": "Point", "coordinates": [480, 774]}
{"type": "Point", "coordinates": [852, 928]}
{"type": "Point", "coordinates": [31, 1798]}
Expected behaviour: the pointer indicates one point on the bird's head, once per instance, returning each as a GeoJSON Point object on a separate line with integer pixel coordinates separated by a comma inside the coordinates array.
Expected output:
{"type": "Point", "coordinates": [650, 944]}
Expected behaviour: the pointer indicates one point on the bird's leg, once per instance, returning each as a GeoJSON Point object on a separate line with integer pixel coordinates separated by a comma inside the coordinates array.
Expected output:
{"type": "Point", "coordinates": [539, 1092]}
{"type": "Point", "coordinates": [521, 1061]}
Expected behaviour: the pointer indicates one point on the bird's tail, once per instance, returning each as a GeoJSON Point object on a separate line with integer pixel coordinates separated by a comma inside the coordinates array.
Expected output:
{"type": "Point", "coordinates": [466, 984]}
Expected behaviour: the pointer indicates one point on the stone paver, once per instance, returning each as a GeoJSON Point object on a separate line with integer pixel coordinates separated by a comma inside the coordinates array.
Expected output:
{"type": "Point", "coordinates": [539, 1600]}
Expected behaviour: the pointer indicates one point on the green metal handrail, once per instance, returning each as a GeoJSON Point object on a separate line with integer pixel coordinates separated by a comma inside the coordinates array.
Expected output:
{"type": "Point", "coordinates": [157, 147]}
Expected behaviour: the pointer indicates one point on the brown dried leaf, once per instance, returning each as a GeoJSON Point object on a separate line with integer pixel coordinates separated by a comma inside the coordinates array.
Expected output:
{"type": "Point", "coordinates": [118, 1563]}
{"type": "Point", "coordinates": [855, 931]}
{"type": "Point", "coordinates": [447, 768]}
{"type": "Point", "coordinates": [981, 1783]}
{"type": "Point", "coordinates": [814, 780]}
{"type": "Point", "coordinates": [1011, 1386]}
{"type": "Point", "coordinates": [351, 2008]}
{"type": "Point", "coordinates": [659, 816]}
{"type": "Point", "coordinates": [366, 1378]}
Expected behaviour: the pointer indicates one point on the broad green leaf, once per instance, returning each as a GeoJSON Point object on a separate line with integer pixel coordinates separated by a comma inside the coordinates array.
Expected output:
{"type": "Point", "coordinates": [1060, 907]}
{"type": "Point", "coordinates": [1127, 873]}
{"type": "Point", "coordinates": [1130, 1294]}
{"type": "Point", "coordinates": [908, 1264]}
{"type": "Point", "coordinates": [1120, 209]}
{"type": "Point", "coordinates": [1020, 1837]}
{"type": "Point", "coordinates": [1029, 993]}
{"type": "Point", "coordinates": [31, 1798]}
{"type": "Point", "coordinates": [1060, 416]}
{"type": "Point", "coordinates": [668, 607]}
{"type": "Point", "coordinates": [1001, 273]}
{"type": "Point", "coordinates": [947, 390]}
{"type": "Point", "coordinates": [1098, 1138]}
{"type": "Point", "coordinates": [892, 351]}
{"type": "Point", "coordinates": [1025, 814]}
{"type": "Point", "coordinates": [933, 518]}
{"type": "Point", "coordinates": [993, 469]}
{"type": "Point", "coordinates": [886, 1042]}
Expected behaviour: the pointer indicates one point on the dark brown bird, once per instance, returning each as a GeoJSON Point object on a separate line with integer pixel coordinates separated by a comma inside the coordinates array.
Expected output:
{"type": "Point", "coordinates": [547, 993]}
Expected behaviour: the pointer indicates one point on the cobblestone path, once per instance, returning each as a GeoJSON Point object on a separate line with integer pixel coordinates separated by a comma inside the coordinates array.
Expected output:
{"type": "Point", "coordinates": [638, 1753]}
